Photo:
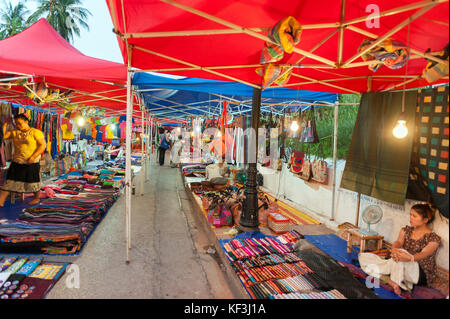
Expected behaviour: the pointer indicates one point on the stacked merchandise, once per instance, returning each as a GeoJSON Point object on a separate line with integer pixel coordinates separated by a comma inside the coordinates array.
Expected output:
{"type": "Point", "coordinates": [193, 170]}
{"type": "Point", "coordinates": [268, 268]}
{"type": "Point", "coordinates": [23, 278]}
{"type": "Point", "coordinates": [63, 165]}
{"type": "Point", "coordinates": [62, 223]}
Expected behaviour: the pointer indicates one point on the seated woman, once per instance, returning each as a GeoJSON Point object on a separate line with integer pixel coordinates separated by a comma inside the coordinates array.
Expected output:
{"type": "Point", "coordinates": [420, 242]}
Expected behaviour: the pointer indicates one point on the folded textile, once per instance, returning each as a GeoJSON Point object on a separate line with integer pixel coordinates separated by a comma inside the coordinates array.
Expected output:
{"type": "Point", "coordinates": [405, 274]}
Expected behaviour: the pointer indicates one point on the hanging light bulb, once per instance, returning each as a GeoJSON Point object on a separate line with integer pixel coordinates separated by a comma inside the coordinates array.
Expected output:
{"type": "Point", "coordinates": [400, 130]}
{"type": "Point", "coordinates": [81, 121]}
{"type": "Point", "coordinates": [113, 126]}
{"type": "Point", "coordinates": [294, 126]}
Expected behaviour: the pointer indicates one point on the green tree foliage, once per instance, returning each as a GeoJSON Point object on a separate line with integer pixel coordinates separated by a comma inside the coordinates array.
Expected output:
{"type": "Point", "coordinates": [12, 19]}
{"type": "Point", "coordinates": [324, 116]}
{"type": "Point", "coordinates": [67, 17]}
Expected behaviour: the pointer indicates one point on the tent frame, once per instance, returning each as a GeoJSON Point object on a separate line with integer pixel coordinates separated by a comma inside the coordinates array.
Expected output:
{"type": "Point", "coordinates": [339, 27]}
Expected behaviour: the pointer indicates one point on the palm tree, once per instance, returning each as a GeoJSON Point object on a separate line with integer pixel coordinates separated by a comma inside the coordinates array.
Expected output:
{"type": "Point", "coordinates": [12, 19]}
{"type": "Point", "coordinates": [66, 16]}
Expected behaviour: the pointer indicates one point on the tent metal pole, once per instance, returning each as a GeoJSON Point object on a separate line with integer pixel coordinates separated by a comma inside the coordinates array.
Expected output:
{"type": "Point", "coordinates": [143, 159]}
{"type": "Point", "coordinates": [128, 160]}
{"type": "Point", "coordinates": [147, 152]}
{"type": "Point", "coordinates": [336, 117]}
{"type": "Point", "coordinates": [152, 131]}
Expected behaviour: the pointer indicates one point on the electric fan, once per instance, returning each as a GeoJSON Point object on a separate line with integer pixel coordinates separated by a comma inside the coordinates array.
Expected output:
{"type": "Point", "coordinates": [371, 215]}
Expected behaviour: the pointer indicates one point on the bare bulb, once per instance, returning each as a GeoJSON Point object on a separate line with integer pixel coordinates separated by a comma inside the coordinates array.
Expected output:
{"type": "Point", "coordinates": [400, 130]}
{"type": "Point", "coordinates": [81, 121]}
{"type": "Point", "coordinates": [294, 126]}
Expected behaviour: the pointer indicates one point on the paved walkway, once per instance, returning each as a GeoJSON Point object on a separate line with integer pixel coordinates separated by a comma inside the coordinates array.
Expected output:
{"type": "Point", "coordinates": [168, 254]}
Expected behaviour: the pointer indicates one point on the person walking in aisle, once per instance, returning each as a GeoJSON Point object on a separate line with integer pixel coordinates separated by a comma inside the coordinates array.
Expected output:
{"type": "Point", "coordinates": [175, 152]}
{"type": "Point", "coordinates": [24, 172]}
{"type": "Point", "coordinates": [163, 146]}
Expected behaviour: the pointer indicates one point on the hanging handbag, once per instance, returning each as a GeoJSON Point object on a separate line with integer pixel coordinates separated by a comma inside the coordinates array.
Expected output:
{"type": "Point", "coordinates": [296, 162]}
{"type": "Point", "coordinates": [309, 133]}
{"type": "Point", "coordinates": [319, 167]}
{"type": "Point", "coordinates": [305, 173]}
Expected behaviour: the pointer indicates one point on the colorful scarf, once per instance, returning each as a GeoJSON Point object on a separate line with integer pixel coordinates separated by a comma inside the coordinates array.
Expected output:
{"type": "Point", "coordinates": [389, 52]}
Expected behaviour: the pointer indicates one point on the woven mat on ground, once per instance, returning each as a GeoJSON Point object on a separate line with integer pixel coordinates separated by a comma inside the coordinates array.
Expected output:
{"type": "Point", "coordinates": [296, 216]}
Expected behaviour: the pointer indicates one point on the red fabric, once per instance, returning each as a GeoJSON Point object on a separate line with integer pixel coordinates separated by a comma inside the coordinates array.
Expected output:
{"type": "Point", "coordinates": [243, 49]}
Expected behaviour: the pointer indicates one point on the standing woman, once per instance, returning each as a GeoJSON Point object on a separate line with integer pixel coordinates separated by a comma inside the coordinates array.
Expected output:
{"type": "Point", "coordinates": [23, 175]}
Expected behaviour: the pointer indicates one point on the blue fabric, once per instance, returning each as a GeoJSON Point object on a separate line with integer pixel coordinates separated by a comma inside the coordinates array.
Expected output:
{"type": "Point", "coordinates": [99, 137]}
{"type": "Point", "coordinates": [78, 174]}
{"type": "Point", "coordinates": [335, 247]}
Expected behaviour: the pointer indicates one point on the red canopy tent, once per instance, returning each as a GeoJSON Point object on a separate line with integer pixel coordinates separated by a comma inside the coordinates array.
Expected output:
{"type": "Point", "coordinates": [223, 39]}
{"type": "Point", "coordinates": [41, 54]}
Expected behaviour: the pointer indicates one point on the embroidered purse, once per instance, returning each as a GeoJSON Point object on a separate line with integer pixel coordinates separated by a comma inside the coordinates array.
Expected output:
{"type": "Point", "coordinates": [296, 162]}
{"type": "Point", "coordinates": [305, 173]}
{"type": "Point", "coordinates": [319, 168]}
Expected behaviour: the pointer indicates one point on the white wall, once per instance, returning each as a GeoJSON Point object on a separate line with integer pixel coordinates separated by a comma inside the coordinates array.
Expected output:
{"type": "Point", "coordinates": [316, 199]}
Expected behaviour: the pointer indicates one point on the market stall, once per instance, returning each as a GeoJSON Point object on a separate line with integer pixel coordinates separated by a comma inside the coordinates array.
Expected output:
{"type": "Point", "coordinates": [290, 45]}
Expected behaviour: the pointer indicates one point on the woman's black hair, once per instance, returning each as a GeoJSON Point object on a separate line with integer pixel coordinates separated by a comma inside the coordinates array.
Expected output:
{"type": "Point", "coordinates": [22, 116]}
{"type": "Point", "coordinates": [425, 211]}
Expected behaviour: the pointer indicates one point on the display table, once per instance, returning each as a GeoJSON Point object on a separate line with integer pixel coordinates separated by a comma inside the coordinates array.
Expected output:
{"type": "Point", "coordinates": [354, 233]}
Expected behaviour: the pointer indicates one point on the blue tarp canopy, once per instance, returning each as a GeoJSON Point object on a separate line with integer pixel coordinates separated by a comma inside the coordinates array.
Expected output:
{"type": "Point", "coordinates": [182, 96]}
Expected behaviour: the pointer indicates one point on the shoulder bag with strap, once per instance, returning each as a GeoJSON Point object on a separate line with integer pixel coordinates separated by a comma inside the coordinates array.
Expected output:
{"type": "Point", "coordinates": [319, 167]}
{"type": "Point", "coordinates": [305, 173]}
{"type": "Point", "coordinates": [309, 133]}
{"type": "Point", "coordinates": [296, 162]}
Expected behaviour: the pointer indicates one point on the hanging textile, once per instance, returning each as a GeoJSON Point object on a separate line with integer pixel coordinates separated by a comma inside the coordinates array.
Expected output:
{"type": "Point", "coordinates": [434, 70]}
{"type": "Point", "coordinates": [389, 52]}
{"type": "Point", "coordinates": [274, 74]}
{"type": "Point", "coordinates": [429, 161]}
{"type": "Point", "coordinates": [377, 163]}
{"type": "Point", "coordinates": [286, 34]}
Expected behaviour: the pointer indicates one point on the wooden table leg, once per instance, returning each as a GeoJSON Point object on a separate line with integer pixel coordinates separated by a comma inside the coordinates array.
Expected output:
{"type": "Point", "coordinates": [363, 245]}
{"type": "Point", "coordinates": [349, 243]}
{"type": "Point", "coordinates": [380, 244]}
{"type": "Point", "coordinates": [13, 197]}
